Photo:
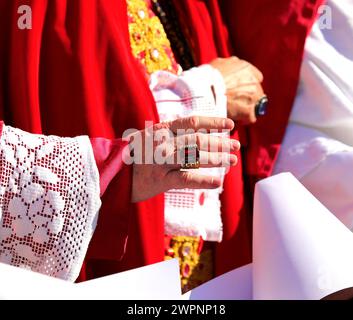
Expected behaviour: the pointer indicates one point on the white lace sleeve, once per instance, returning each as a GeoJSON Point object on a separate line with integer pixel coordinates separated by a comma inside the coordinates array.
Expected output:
{"type": "Point", "coordinates": [49, 202]}
{"type": "Point", "coordinates": [199, 91]}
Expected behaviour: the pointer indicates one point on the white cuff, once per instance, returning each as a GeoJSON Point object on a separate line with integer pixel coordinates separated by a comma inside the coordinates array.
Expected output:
{"type": "Point", "coordinates": [197, 92]}
{"type": "Point", "coordinates": [205, 78]}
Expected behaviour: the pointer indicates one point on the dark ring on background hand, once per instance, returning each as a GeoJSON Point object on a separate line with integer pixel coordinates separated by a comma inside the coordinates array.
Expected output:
{"type": "Point", "coordinates": [261, 107]}
{"type": "Point", "coordinates": [190, 157]}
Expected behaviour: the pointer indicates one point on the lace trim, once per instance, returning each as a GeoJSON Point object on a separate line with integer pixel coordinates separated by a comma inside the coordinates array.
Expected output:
{"type": "Point", "coordinates": [49, 202]}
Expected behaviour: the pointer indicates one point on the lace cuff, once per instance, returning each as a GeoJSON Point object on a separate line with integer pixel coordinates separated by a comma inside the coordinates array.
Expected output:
{"type": "Point", "coordinates": [49, 202]}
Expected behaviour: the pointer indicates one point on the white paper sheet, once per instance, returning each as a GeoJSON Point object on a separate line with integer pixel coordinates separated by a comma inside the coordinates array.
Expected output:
{"type": "Point", "coordinates": [300, 249]}
{"type": "Point", "coordinates": [159, 281]}
{"type": "Point", "coordinates": [154, 282]}
{"type": "Point", "coordinates": [234, 285]}
{"type": "Point", "coordinates": [21, 284]}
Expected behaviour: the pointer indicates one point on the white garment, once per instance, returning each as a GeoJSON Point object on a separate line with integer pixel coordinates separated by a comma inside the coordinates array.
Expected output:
{"type": "Point", "coordinates": [318, 144]}
{"type": "Point", "coordinates": [49, 202]}
{"type": "Point", "coordinates": [192, 212]}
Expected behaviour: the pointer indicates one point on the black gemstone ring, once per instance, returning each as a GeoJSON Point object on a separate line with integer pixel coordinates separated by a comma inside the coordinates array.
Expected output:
{"type": "Point", "coordinates": [261, 107]}
{"type": "Point", "coordinates": [190, 156]}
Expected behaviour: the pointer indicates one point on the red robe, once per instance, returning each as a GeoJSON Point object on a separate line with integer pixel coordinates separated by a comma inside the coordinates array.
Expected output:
{"type": "Point", "coordinates": [271, 35]}
{"type": "Point", "coordinates": [74, 73]}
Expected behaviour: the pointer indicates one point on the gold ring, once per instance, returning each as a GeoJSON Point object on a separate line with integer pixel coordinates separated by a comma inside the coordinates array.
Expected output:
{"type": "Point", "coordinates": [190, 155]}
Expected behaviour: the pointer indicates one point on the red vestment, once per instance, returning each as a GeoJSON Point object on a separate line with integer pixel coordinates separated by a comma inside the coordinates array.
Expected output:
{"type": "Point", "coordinates": [73, 73]}
{"type": "Point", "coordinates": [271, 35]}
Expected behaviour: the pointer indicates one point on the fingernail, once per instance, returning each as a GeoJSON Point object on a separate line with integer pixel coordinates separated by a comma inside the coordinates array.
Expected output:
{"type": "Point", "coordinates": [216, 182]}
{"type": "Point", "coordinates": [228, 124]}
{"type": "Point", "coordinates": [235, 145]}
{"type": "Point", "coordinates": [233, 160]}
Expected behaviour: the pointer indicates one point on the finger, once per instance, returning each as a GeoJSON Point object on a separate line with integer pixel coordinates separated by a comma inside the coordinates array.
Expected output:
{"type": "Point", "coordinates": [249, 93]}
{"type": "Point", "coordinates": [258, 74]}
{"type": "Point", "coordinates": [208, 142]}
{"type": "Point", "coordinates": [217, 159]}
{"type": "Point", "coordinates": [191, 180]}
{"type": "Point", "coordinates": [259, 91]}
{"type": "Point", "coordinates": [232, 60]}
{"type": "Point", "coordinates": [201, 123]}
{"type": "Point", "coordinates": [206, 160]}
{"type": "Point", "coordinates": [246, 114]}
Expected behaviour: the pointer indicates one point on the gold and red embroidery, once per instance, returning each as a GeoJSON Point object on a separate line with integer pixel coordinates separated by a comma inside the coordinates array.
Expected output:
{"type": "Point", "coordinates": [149, 42]}
{"type": "Point", "coordinates": [196, 265]}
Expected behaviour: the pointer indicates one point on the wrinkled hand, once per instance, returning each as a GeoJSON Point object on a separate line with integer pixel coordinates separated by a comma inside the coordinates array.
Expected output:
{"type": "Point", "coordinates": [157, 168]}
{"type": "Point", "coordinates": [244, 90]}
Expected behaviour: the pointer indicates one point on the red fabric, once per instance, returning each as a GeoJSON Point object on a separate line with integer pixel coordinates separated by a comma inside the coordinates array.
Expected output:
{"type": "Point", "coordinates": [271, 35]}
{"type": "Point", "coordinates": [112, 231]}
{"type": "Point", "coordinates": [115, 179]}
{"type": "Point", "coordinates": [207, 34]}
{"type": "Point", "coordinates": [274, 42]}
{"type": "Point", "coordinates": [109, 159]}
{"type": "Point", "coordinates": [74, 73]}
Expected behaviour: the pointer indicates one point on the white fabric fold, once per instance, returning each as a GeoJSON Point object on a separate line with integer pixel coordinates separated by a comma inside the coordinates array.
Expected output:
{"type": "Point", "coordinates": [325, 96]}
{"type": "Point", "coordinates": [318, 144]}
{"type": "Point", "coordinates": [323, 165]}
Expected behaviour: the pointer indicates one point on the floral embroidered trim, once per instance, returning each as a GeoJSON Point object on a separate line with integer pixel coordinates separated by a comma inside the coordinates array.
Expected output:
{"type": "Point", "coordinates": [49, 202]}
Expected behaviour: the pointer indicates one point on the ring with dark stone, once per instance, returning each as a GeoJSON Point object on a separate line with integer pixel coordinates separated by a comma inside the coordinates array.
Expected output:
{"type": "Point", "coordinates": [261, 107]}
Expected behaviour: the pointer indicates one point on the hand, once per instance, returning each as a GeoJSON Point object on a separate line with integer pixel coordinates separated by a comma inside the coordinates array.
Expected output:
{"type": "Point", "coordinates": [157, 168]}
{"type": "Point", "coordinates": [244, 90]}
